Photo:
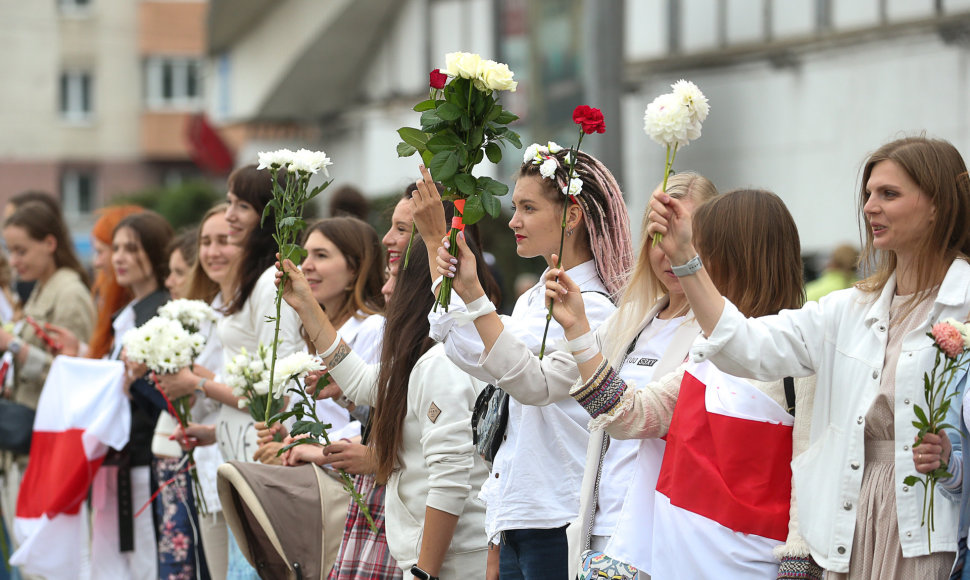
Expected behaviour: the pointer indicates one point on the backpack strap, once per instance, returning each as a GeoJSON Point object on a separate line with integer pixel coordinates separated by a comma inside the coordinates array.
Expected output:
{"type": "Point", "coordinates": [790, 395]}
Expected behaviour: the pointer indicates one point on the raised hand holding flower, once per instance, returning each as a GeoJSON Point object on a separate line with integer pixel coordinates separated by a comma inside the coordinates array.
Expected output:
{"type": "Point", "coordinates": [590, 120]}
{"type": "Point", "coordinates": [674, 120]}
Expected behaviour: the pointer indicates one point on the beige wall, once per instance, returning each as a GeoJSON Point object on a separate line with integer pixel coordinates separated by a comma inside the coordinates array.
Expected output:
{"type": "Point", "coordinates": [172, 28]}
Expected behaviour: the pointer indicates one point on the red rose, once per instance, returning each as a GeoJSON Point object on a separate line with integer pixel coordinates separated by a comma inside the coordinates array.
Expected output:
{"type": "Point", "coordinates": [438, 79]}
{"type": "Point", "coordinates": [590, 118]}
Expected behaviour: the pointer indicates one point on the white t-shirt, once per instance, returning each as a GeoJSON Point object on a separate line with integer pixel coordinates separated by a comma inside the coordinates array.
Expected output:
{"type": "Point", "coordinates": [621, 457]}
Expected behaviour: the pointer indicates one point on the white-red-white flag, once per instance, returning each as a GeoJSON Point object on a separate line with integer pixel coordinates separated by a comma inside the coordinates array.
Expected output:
{"type": "Point", "coordinates": [724, 491]}
{"type": "Point", "coordinates": [81, 413]}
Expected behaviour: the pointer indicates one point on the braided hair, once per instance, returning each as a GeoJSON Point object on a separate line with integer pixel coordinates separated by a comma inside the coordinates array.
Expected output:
{"type": "Point", "coordinates": [604, 212]}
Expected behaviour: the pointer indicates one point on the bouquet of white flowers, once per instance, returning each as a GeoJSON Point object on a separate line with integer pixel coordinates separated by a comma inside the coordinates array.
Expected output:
{"type": "Point", "coordinates": [191, 314]}
{"type": "Point", "coordinates": [164, 345]}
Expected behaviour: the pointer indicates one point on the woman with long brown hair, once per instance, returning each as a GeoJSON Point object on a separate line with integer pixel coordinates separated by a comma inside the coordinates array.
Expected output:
{"type": "Point", "coordinates": [421, 429]}
{"type": "Point", "coordinates": [869, 347]}
{"type": "Point", "coordinates": [723, 498]}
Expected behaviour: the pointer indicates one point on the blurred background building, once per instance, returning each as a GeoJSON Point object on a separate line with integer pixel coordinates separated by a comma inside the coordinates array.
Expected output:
{"type": "Point", "coordinates": [103, 98]}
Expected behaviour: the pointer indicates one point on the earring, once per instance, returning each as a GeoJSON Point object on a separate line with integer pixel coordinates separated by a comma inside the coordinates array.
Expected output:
{"type": "Point", "coordinates": [569, 233]}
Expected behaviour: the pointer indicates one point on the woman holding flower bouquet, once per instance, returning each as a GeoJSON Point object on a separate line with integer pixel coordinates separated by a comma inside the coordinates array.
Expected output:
{"type": "Point", "coordinates": [123, 544]}
{"type": "Point", "coordinates": [420, 431]}
{"type": "Point", "coordinates": [538, 469]}
{"type": "Point", "coordinates": [869, 349]}
{"type": "Point", "coordinates": [650, 334]}
{"type": "Point", "coordinates": [209, 278]}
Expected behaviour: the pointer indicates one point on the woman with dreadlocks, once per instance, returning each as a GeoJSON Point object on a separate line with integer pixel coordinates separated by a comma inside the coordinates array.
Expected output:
{"type": "Point", "coordinates": [532, 493]}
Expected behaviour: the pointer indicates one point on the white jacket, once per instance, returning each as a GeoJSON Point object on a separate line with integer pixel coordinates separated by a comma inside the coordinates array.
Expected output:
{"type": "Point", "coordinates": [438, 465]}
{"type": "Point", "coordinates": [842, 338]}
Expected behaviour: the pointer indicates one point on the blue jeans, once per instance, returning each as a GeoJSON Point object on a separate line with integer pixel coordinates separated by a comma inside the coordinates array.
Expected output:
{"type": "Point", "coordinates": [534, 555]}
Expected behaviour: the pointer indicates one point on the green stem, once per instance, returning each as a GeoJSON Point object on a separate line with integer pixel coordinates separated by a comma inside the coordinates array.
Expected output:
{"type": "Point", "coordinates": [668, 164]}
{"type": "Point", "coordinates": [276, 340]}
{"type": "Point", "coordinates": [562, 236]}
{"type": "Point", "coordinates": [444, 295]}
{"type": "Point", "coordinates": [407, 253]}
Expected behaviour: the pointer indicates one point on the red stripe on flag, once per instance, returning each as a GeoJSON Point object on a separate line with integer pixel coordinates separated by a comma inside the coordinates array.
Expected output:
{"type": "Point", "coordinates": [734, 471]}
{"type": "Point", "coordinates": [58, 475]}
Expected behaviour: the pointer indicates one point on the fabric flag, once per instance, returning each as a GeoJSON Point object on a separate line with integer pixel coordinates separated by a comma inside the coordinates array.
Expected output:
{"type": "Point", "coordinates": [81, 413]}
{"type": "Point", "coordinates": [725, 483]}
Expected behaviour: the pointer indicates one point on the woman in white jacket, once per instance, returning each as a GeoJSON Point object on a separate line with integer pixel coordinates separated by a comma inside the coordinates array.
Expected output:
{"type": "Point", "coordinates": [649, 336]}
{"type": "Point", "coordinates": [869, 349]}
{"type": "Point", "coordinates": [421, 428]}
{"type": "Point", "coordinates": [537, 472]}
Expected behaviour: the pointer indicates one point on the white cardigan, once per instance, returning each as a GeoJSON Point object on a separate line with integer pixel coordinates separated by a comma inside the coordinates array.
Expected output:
{"type": "Point", "coordinates": [438, 464]}
{"type": "Point", "coordinates": [842, 338]}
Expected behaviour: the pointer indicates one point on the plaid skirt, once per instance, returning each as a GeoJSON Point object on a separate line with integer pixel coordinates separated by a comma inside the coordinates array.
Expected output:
{"type": "Point", "coordinates": [363, 554]}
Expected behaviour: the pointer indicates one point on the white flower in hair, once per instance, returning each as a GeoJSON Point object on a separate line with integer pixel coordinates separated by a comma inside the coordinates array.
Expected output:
{"type": "Point", "coordinates": [531, 153]}
{"type": "Point", "coordinates": [553, 147]}
{"type": "Point", "coordinates": [575, 187]}
{"type": "Point", "coordinates": [548, 168]}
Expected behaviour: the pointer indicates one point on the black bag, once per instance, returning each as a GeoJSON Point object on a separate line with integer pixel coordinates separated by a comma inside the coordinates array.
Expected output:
{"type": "Point", "coordinates": [16, 427]}
{"type": "Point", "coordinates": [489, 420]}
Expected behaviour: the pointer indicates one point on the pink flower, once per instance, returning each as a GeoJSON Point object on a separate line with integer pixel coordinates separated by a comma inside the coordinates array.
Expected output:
{"type": "Point", "coordinates": [948, 339]}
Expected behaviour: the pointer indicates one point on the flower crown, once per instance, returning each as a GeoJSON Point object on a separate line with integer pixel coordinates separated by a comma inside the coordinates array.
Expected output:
{"type": "Point", "coordinates": [545, 157]}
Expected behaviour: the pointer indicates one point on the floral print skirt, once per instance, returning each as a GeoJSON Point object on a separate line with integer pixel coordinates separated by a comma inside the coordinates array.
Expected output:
{"type": "Point", "coordinates": [180, 555]}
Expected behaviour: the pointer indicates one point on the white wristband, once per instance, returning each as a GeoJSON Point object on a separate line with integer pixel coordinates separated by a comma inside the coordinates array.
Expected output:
{"type": "Point", "coordinates": [586, 355]}
{"type": "Point", "coordinates": [583, 342]}
{"type": "Point", "coordinates": [475, 309]}
{"type": "Point", "coordinates": [330, 349]}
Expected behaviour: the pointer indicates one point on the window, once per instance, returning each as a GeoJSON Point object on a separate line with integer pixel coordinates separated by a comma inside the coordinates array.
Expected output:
{"type": "Point", "coordinates": [76, 92]}
{"type": "Point", "coordinates": [78, 191]}
{"type": "Point", "coordinates": [173, 83]}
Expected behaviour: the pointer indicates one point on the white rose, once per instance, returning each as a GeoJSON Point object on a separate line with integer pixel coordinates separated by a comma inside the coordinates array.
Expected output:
{"type": "Point", "coordinates": [462, 64]}
{"type": "Point", "coordinates": [548, 168]}
{"type": "Point", "coordinates": [554, 147]}
{"type": "Point", "coordinates": [575, 187]}
{"type": "Point", "coordinates": [496, 76]}
{"type": "Point", "coordinates": [531, 153]}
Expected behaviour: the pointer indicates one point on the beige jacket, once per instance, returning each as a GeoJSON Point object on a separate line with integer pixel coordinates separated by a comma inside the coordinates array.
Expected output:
{"type": "Point", "coordinates": [65, 301]}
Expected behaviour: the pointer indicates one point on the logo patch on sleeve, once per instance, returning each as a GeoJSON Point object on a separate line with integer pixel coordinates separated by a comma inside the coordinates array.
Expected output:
{"type": "Point", "coordinates": [433, 412]}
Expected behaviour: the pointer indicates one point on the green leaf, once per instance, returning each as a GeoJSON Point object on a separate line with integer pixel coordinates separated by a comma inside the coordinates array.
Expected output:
{"type": "Point", "coordinates": [405, 150]}
{"type": "Point", "coordinates": [300, 441]}
{"type": "Point", "coordinates": [496, 188]}
{"type": "Point", "coordinates": [920, 414]}
{"type": "Point", "coordinates": [493, 113]}
{"type": "Point", "coordinates": [492, 205]}
{"type": "Point", "coordinates": [423, 106]}
{"type": "Point", "coordinates": [494, 152]}
{"type": "Point", "coordinates": [443, 165]}
{"type": "Point", "coordinates": [448, 111]}
{"type": "Point", "coordinates": [431, 122]}
{"type": "Point", "coordinates": [302, 427]}
{"type": "Point", "coordinates": [474, 210]}
{"type": "Point", "coordinates": [292, 222]}
{"type": "Point", "coordinates": [414, 137]}
{"type": "Point", "coordinates": [476, 138]}
{"type": "Point", "coordinates": [444, 142]}
{"type": "Point", "coordinates": [912, 480]}
{"type": "Point", "coordinates": [426, 157]}
{"type": "Point", "coordinates": [465, 183]}
{"type": "Point", "coordinates": [513, 138]}
{"type": "Point", "coordinates": [479, 155]}
{"type": "Point", "coordinates": [506, 117]}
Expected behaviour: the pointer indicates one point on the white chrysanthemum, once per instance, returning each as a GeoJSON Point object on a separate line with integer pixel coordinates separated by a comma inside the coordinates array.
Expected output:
{"type": "Point", "coordinates": [575, 187]}
{"type": "Point", "coordinates": [548, 168]}
{"type": "Point", "coordinates": [161, 344]}
{"type": "Point", "coordinates": [693, 99]}
{"type": "Point", "coordinates": [274, 159]}
{"type": "Point", "coordinates": [667, 121]}
{"type": "Point", "coordinates": [242, 403]}
{"type": "Point", "coordinates": [294, 366]}
{"type": "Point", "coordinates": [191, 314]}
{"type": "Point", "coordinates": [309, 162]}
{"type": "Point", "coordinates": [554, 147]}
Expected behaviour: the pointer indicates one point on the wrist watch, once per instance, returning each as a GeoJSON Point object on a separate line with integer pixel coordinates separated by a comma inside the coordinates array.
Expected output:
{"type": "Point", "coordinates": [419, 573]}
{"type": "Point", "coordinates": [691, 267]}
{"type": "Point", "coordinates": [14, 346]}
